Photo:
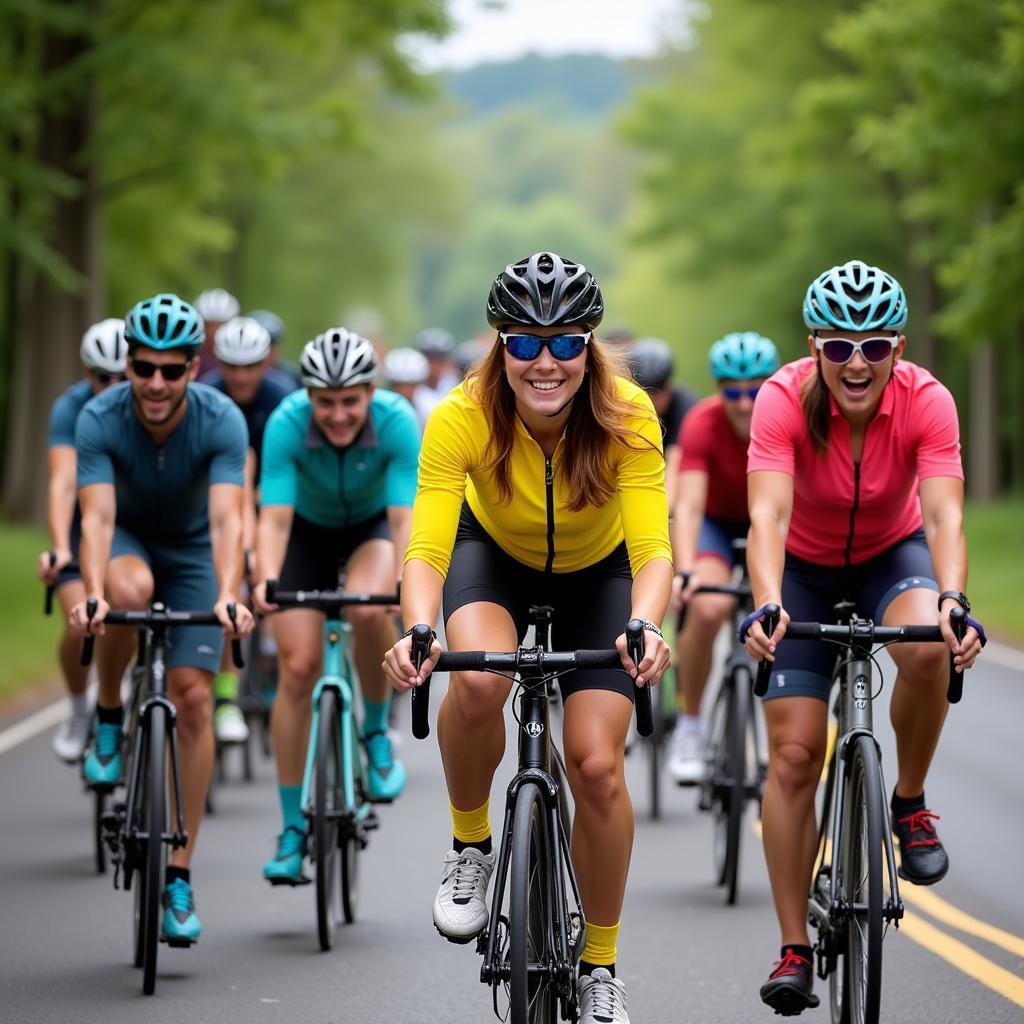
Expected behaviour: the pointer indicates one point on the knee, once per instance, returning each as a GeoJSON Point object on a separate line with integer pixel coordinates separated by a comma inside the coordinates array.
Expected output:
{"type": "Point", "coordinates": [365, 620]}
{"type": "Point", "coordinates": [298, 674]}
{"type": "Point", "coordinates": [193, 699]}
{"type": "Point", "coordinates": [796, 767]}
{"type": "Point", "coordinates": [597, 780]}
{"type": "Point", "coordinates": [925, 665]}
{"type": "Point", "coordinates": [477, 697]}
{"type": "Point", "coordinates": [707, 613]}
{"type": "Point", "coordinates": [130, 590]}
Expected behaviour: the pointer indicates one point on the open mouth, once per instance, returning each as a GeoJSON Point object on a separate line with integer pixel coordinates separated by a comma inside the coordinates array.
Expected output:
{"type": "Point", "coordinates": [856, 385]}
{"type": "Point", "coordinates": [545, 385]}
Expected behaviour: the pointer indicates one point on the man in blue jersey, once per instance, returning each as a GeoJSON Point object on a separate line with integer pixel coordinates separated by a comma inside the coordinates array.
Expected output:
{"type": "Point", "coordinates": [103, 355]}
{"type": "Point", "coordinates": [242, 347]}
{"type": "Point", "coordinates": [161, 472]}
{"type": "Point", "coordinates": [339, 478]}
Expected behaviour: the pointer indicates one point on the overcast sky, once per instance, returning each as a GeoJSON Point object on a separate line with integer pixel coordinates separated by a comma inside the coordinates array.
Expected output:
{"type": "Point", "coordinates": [486, 31]}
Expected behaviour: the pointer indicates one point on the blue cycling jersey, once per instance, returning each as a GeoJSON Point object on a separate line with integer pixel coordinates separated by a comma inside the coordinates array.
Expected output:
{"type": "Point", "coordinates": [337, 487]}
{"type": "Point", "coordinates": [64, 413]}
{"type": "Point", "coordinates": [162, 490]}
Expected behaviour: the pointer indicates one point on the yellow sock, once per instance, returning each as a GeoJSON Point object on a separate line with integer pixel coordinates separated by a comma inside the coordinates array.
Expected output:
{"type": "Point", "coordinates": [601, 944]}
{"type": "Point", "coordinates": [471, 826]}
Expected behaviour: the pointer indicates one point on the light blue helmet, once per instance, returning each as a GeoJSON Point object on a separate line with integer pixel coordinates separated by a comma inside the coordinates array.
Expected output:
{"type": "Point", "coordinates": [164, 322]}
{"type": "Point", "coordinates": [855, 297]}
{"type": "Point", "coordinates": [743, 355]}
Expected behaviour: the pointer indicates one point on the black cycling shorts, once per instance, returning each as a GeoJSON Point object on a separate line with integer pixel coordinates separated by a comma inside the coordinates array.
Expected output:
{"type": "Point", "coordinates": [803, 668]}
{"type": "Point", "coordinates": [315, 553]}
{"type": "Point", "coordinates": [591, 605]}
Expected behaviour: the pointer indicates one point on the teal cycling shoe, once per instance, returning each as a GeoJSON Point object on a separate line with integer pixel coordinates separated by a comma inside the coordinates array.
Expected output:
{"type": "Point", "coordinates": [180, 926]}
{"type": "Point", "coordinates": [285, 867]}
{"type": "Point", "coordinates": [102, 765]}
{"type": "Point", "coordinates": [386, 773]}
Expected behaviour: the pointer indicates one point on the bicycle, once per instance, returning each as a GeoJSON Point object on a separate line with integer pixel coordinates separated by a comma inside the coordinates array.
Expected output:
{"type": "Point", "coordinates": [335, 791]}
{"type": "Point", "coordinates": [850, 904]}
{"type": "Point", "coordinates": [533, 941]}
{"type": "Point", "coordinates": [131, 826]}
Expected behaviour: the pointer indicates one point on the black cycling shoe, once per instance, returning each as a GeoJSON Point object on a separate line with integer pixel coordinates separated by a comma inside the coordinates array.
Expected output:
{"type": "Point", "coordinates": [788, 990]}
{"type": "Point", "coordinates": [923, 858]}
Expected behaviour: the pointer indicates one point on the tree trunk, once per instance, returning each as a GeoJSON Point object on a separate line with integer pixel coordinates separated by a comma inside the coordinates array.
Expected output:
{"type": "Point", "coordinates": [983, 477]}
{"type": "Point", "coordinates": [52, 320]}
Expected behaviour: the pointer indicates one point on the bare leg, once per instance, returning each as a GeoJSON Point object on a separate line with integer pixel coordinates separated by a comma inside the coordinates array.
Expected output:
{"type": "Point", "coordinates": [191, 691]}
{"type": "Point", "coordinates": [371, 570]}
{"type": "Point", "coordinates": [129, 588]}
{"type": "Point", "coordinates": [299, 636]}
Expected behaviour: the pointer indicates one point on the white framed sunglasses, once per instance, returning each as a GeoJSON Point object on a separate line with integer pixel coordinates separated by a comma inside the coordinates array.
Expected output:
{"type": "Point", "coordinates": [840, 350]}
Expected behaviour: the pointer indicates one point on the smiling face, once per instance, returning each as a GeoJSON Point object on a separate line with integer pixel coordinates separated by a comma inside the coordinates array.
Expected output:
{"type": "Point", "coordinates": [243, 382]}
{"type": "Point", "coordinates": [544, 385]}
{"type": "Point", "coordinates": [340, 413]}
{"type": "Point", "coordinates": [857, 385]}
{"type": "Point", "coordinates": [156, 398]}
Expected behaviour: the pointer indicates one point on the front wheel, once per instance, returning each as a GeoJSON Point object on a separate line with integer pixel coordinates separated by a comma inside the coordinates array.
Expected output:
{"type": "Point", "coordinates": [327, 804]}
{"type": "Point", "coordinates": [154, 816]}
{"type": "Point", "coordinates": [856, 984]}
{"type": "Point", "coordinates": [532, 991]}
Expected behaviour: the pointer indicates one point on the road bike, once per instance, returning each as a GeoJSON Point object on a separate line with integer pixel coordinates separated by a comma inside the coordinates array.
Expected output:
{"type": "Point", "coordinates": [535, 934]}
{"type": "Point", "coordinates": [335, 793]}
{"type": "Point", "coordinates": [138, 829]}
{"type": "Point", "coordinates": [854, 894]}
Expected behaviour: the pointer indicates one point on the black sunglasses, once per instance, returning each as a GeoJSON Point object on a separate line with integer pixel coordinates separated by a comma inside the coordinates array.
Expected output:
{"type": "Point", "coordinates": [840, 350]}
{"type": "Point", "coordinates": [527, 347]}
{"type": "Point", "coordinates": [169, 371]}
{"type": "Point", "coordinates": [107, 378]}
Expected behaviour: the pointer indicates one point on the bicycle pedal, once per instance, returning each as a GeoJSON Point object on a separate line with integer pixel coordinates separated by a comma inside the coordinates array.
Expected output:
{"type": "Point", "coordinates": [292, 883]}
{"type": "Point", "coordinates": [371, 823]}
{"type": "Point", "coordinates": [176, 943]}
{"type": "Point", "coordinates": [380, 799]}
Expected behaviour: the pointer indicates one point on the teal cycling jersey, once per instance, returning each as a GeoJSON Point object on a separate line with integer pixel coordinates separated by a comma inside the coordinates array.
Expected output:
{"type": "Point", "coordinates": [337, 487]}
{"type": "Point", "coordinates": [65, 412]}
{"type": "Point", "coordinates": [162, 490]}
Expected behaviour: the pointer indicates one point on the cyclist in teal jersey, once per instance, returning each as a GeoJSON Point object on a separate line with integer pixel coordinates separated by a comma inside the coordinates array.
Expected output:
{"type": "Point", "coordinates": [161, 465]}
{"type": "Point", "coordinates": [103, 355]}
{"type": "Point", "coordinates": [339, 478]}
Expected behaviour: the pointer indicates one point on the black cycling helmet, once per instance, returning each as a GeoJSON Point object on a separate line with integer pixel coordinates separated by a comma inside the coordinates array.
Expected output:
{"type": "Point", "coordinates": [543, 291]}
{"type": "Point", "coordinates": [651, 363]}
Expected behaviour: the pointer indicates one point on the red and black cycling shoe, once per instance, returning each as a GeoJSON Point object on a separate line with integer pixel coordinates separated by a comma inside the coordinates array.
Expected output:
{"type": "Point", "coordinates": [923, 858]}
{"type": "Point", "coordinates": [789, 988]}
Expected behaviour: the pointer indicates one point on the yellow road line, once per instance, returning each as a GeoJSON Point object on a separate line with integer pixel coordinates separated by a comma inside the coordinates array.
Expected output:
{"type": "Point", "coordinates": [965, 959]}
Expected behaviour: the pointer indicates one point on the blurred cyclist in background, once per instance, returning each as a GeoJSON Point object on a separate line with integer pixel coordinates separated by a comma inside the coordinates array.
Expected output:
{"type": "Point", "coordinates": [406, 372]}
{"type": "Point", "coordinates": [103, 354]}
{"type": "Point", "coordinates": [438, 345]}
{"type": "Point", "coordinates": [283, 371]}
{"type": "Point", "coordinates": [467, 353]}
{"type": "Point", "coordinates": [216, 306]}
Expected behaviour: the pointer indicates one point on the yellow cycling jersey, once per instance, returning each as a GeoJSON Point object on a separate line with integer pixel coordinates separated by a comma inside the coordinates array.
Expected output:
{"type": "Point", "coordinates": [536, 527]}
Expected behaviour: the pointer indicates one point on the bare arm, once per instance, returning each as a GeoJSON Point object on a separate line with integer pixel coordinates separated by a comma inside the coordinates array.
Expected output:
{"type": "Point", "coordinates": [652, 587]}
{"type": "Point", "coordinates": [400, 523]}
{"type": "Point", "coordinates": [272, 533]}
{"type": "Point", "coordinates": [770, 500]}
{"type": "Point", "coordinates": [688, 514]}
{"type": "Point", "coordinates": [60, 510]}
{"type": "Point", "coordinates": [422, 585]}
{"type": "Point", "coordinates": [249, 506]}
{"type": "Point", "coordinates": [672, 473]}
{"type": "Point", "coordinates": [99, 516]}
{"type": "Point", "coordinates": [942, 508]}
{"type": "Point", "coordinates": [226, 514]}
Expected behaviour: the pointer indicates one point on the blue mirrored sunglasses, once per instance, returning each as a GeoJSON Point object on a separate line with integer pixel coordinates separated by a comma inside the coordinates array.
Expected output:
{"type": "Point", "coordinates": [735, 394]}
{"type": "Point", "coordinates": [561, 346]}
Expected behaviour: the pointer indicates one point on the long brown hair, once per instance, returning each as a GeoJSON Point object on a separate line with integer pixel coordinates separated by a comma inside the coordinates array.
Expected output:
{"type": "Point", "coordinates": [596, 422]}
{"type": "Point", "coordinates": [817, 409]}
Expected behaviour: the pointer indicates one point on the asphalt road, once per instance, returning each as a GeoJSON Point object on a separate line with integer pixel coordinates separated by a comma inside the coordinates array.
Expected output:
{"type": "Point", "coordinates": [65, 934]}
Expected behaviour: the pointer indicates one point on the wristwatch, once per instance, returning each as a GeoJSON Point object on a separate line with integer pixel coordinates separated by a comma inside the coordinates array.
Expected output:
{"type": "Point", "coordinates": [650, 626]}
{"type": "Point", "coordinates": [957, 595]}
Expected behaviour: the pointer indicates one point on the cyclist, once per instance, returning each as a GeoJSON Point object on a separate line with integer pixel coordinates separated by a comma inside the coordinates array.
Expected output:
{"type": "Point", "coordinates": [242, 347]}
{"type": "Point", "coordinates": [339, 477]}
{"type": "Point", "coordinates": [560, 464]}
{"type": "Point", "coordinates": [467, 353]}
{"type": "Point", "coordinates": [103, 356]}
{"type": "Point", "coordinates": [406, 372]}
{"type": "Point", "coordinates": [652, 364]}
{"type": "Point", "coordinates": [710, 512]}
{"type": "Point", "coordinates": [284, 372]}
{"type": "Point", "coordinates": [161, 466]}
{"type": "Point", "coordinates": [216, 306]}
{"type": "Point", "coordinates": [438, 345]}
{"type": "Point", "coordinates": [855, 491]}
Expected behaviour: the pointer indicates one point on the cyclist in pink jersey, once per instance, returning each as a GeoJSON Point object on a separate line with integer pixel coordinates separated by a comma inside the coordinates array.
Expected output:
{"type": "Point", "coordinates": [710, 512]}
{"type": "Point", "coordinates": [855, 490]}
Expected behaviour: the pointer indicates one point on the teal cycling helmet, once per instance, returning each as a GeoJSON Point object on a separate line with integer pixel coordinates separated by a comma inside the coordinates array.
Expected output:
{"type": "Point", "coordinates": [855, 297]}
{"type": "Point", "coordinates": [743, 355]}
{"type": "Point", "coordinates": [164, 322]}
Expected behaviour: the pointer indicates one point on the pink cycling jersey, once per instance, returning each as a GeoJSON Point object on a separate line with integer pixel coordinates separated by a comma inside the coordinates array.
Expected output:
{"type": "Point", "coordinates": [845, 512]}
{"type": "Point", "coordinates": [709, 444]}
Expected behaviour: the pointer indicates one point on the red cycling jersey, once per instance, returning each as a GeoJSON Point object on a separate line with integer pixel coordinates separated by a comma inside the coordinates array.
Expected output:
{"type": "Point", "coordinates": [846, 512]}
{"type": "Point", "coordinates": [710, 445]}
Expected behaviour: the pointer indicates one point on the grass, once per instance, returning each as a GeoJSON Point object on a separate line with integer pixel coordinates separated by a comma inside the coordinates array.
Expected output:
{"type": "Point", "coordinates": [995, 539]}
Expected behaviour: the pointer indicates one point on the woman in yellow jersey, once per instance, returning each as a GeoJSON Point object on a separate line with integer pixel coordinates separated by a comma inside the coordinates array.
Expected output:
{"type": "Point", "coordinates": [541, 479]}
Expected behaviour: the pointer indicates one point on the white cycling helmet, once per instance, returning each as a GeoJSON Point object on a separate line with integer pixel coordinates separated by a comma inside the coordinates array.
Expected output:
{"type": "Point", "coordinates": [406, 366]}
{"type": "Point", "coordinates": [338, 359]}
{"type": "Point", "coordinates": [217, 305]}
{"type": "Point", "coordinates": [242, 341]}
{"type": "Point", "coordinates": [103, 346]}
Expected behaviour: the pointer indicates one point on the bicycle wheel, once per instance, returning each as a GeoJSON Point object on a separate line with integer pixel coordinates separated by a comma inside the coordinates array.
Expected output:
{"type": "Point", "coordinates": [154, 817]}
{"type": "Point", "coordinates": [726, 740]}
{"type": "Point", "coordinates": [532, 993]}
{"type": "Point", "coordinates": [731, 821]}
{"type": "Point", "coordinates": [856, 986]}
{"type": "Point", "coordinates": [351, 846]}
{"type": "Point", "coordinates": [99, 808]}
{"type": "Point", "coordinates": [327, 802]}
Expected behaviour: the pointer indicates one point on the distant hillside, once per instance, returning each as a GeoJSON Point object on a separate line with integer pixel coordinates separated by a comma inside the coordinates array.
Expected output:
{"type": "Point", "coordinates": [581, 85]}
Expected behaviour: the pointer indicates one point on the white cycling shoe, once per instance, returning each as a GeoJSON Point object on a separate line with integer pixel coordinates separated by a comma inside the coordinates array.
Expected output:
{"type": "Point", "coordinates": [602, 998]}
{"type": "Point", "coordinates": [686, 763]}
{"type": "Point", "coordinates": [460, 907]}
{"type": "Point", "coordinates": [71, 737]}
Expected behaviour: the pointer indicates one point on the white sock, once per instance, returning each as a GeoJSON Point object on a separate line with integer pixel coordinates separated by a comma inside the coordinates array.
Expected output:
{"type": "Point", "coordinates": [80, 703]}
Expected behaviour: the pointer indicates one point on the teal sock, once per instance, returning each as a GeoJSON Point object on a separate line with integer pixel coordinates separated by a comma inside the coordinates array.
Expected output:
{"type": "Point", "coordinates": [291, 807]}
{"type": "Point", "coordinates": [375, 716]}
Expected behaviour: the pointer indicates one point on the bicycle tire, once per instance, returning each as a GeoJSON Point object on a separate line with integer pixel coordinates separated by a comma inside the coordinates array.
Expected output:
{"type": "Point", "coordinates": [137, 853]}
{"type": "Point", "coordinates": [859, 976]}
{"type": "Point", "coordinates": [99, 808]}
{"type": "Point", "coordinates": [655, 745]}
{"type": "Point", "coordinates": [151, 890]}
{"type": "Point", "coordinates": [533, 997]}
{"type": "Point", "coordinates": [326, 803]}
{"type": "Point", "coordinates": [351, 848]}
{"type": "Point", "coordinates": [736, 735]}
{"type": "Point", "coordinates": [716, 757]}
